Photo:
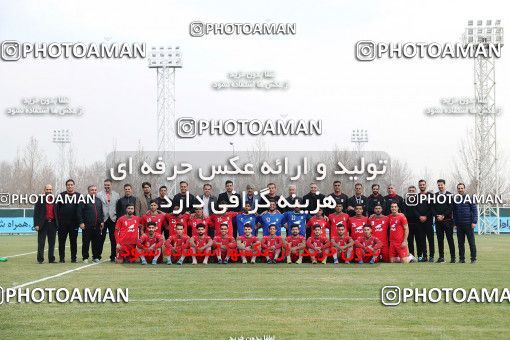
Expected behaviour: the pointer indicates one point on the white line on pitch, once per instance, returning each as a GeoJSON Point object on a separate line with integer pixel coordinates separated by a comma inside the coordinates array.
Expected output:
{"type": "Point", "coordinates": [35, 252]}
{"type": "Point", "coordinates": [255, 299]}
{"type": "Point", "coordinates": [57, 275]}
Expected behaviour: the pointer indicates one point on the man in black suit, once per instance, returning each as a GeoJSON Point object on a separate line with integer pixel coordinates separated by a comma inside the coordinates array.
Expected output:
{"type": "Point", "coordinates": [45, 223]}
{"type": "Point", "coordinates": [90, 217]}
{"type": "Point", "coordinates": [67, 215]}
{"type": "Point", "coordinates": [185, 199]}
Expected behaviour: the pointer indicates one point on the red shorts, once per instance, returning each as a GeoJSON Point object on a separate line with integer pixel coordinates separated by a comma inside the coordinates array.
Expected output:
{"type": "Point", "coordinates": [396, 250]}
{"type": "Point", "coordinates": [127, 251]}
{"type": "Point", "coordinates": [385, 254]}
{"type": "Point", "coordinates": [366, 256]}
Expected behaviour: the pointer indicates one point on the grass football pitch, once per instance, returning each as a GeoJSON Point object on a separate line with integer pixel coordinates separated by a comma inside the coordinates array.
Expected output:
{"type": "Point", "coordinates": [253, 301]}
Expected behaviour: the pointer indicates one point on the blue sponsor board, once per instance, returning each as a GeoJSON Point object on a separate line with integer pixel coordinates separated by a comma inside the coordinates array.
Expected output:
{"type": "Point", "coordinates": [16, 225]}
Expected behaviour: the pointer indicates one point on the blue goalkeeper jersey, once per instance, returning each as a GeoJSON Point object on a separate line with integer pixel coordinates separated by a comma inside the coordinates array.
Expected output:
{"type": "Point", "coordinates": [242, 219]}
{"type": "Point", "coordinates": [267, 219]}
{"type": "Point", "coordinates": [291, 217]}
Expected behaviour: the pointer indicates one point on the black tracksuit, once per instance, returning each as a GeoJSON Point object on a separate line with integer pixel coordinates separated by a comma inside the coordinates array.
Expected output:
{"type": "Point", "coordinates": [413, 220]}
{"type": "Point", "coordinates": [342, 198]}
{"type": "Point", "coordinates": [68, 225]}
{"type": "Point", "coordinates": [91, 214]}
{"type": "Point", "coordinates": [372, 201]}
{"type": "Point", "coordinates": [425, 230]}
{"type": "Point", "coordinates": [393, 199]}
{"type": "Point", "coordinates": [47, 228]}
{"type": "Point", "coordinates": [186, 206]}
{"type": "Point", "coordinates": [444, 227]}
{"type": "Point", "coordinates": [353, 201]}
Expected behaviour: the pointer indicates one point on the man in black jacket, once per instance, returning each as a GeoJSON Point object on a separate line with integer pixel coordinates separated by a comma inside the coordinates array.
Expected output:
{"type": "Point", "coordinates": [338, 196]}
{"type": "Point", "coordinates": [375, 199]}
{"type": "Point", "coordinates": [413, 219]}
{"type": "Point", "coordinates": [90, 217]}
{"type": "Point", "coordinates": [465, 217]}
{"type": "Point", "coordinates": [313, 198]}
{"type": "Point", "coordinates": [442, 210]}
{"type": "Point", "coordinates": [185, 199]}
{"type": "Point", "coordinates": [67, 215]}
{"type": "Point", "coordinates": [128, 198]}
{"type": "Point", "coordinates": [227, 195]}
{"type": "Point", "coordinates": [45, 223]}
{"type": "Point", "coordinates": [393, 197]}
{"type": "Point", "coordinates": [357, 199]}
{"type": "Point", "coordinates": [425, 230]}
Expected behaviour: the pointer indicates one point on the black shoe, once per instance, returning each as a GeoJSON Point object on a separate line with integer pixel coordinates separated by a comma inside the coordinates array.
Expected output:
{"type": "Point", "coordinates": [53, 261]}
{"type": "Point", "coordinates": [62, 261]}
{"type": "Point", "coordinates": [453, 260]}
{"type": "Point", "coordinates": [462, 261]}
{"type": "Point", "coordinates": [431, 259]}
{"type": "Point", "coordinates": [74, 261]}
{"type": "Point", "coordinates": [112, 260]}
{"type": "Point", "coordinates": [40, 262]}
{"type": "Point", "coordinates": [440, 260]}
{"type": "Point", "coordinates": [473, 261]}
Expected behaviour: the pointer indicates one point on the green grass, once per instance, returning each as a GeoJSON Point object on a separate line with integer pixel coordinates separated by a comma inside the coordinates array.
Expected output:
{"type": "Point", "coordinates": [145, 317]}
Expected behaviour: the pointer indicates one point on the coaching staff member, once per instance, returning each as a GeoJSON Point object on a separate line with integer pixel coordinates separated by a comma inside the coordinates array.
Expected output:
{"type": "Point", "coordinates": [109, 200]}
{"type": "Point", "coordinates": [425, 230]}
{"type": "Point", "coordinates": [128, 198]}
{"type": "Point", "coordinates": [465, 217]}
{"type": "Point", "coordinates": [443, 210]}
{"type": "Point", "coordinates": [67, 212]}
{"type": "Point", "coordinates": [45, 224]}
{"type": "Point", "coordinates": [90, 217]}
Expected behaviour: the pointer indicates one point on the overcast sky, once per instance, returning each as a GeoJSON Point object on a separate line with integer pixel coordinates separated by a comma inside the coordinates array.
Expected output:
{"type": "Point", "coordinates": [387, 97]}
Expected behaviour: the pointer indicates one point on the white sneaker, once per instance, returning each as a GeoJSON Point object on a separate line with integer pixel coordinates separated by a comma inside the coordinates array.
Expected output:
{"type": "Point", "coordinates": [96, 260]}
{"type": "Point", "coordinates": [86, 261]}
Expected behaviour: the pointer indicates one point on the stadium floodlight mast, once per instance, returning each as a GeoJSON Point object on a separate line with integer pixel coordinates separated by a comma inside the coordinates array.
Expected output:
{"type": "Point", "coordinates": [166, 60]}
{"type": "Point", "coordinates": [61, 137]}
{"type": "Point", "coordinates": [481, 34]}
{"type": "Point", "coordinates": [359, 137]}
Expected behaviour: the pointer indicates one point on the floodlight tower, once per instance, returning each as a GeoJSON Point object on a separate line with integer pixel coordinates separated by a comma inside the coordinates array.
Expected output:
{"type": "Point", "coordinates": [166, 60]}
{"type": "Point", "coordinates": [61, 137]}
{"type": "Point", "coordinates": [482, 35]}
{"type": "Point", "coordinates": [359, 137]}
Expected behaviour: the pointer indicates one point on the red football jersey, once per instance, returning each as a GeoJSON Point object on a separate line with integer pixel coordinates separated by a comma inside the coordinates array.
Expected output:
{"type": "Point", "coordinates": [335, 218]}
{"type": "Point", "coordinates": [295, 241]}
{"type": "Point", "coordinates": [193, 222]}
{"type": "Point", "coordinates": [268, 241]}
{"type": "Point", "coordinates": [146, 241]}
{"type": "Point", "coordinates": [201, 241]}
{"type": "Point", "coordinates": [322, 221]}
{"type": "Point", "coordinates": [159, 219]}
{"type": "Point", "coordinates": [248, 241]}
{"type": "Point", "coordinates": [172, 220]}
{"type": "Point", "coordinates": [127, 229]}
{"type": "Point", "coordinates": [372, 241]}
{"type": "Point", "coordinates": [342, 241]}
{"type": "Point", "coordinates": [178, 242]}
{"type": "Point", "coordinates": [228, 217]}
{"type": "Point", "coordinates": [227, 241]}
{"type": "Point", "coordinates": [397, 224]}
{"type": "Point", "coordinates": [356, 226]}
{"type": "Point", "coordinates": [380, 227]}
{"type": "Point", "coordinates": [320, 242]}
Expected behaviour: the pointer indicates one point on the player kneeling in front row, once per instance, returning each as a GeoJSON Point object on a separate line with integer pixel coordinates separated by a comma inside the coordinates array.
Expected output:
{"type": "Point", "coordinates": [201, 245]}
{"type": "Point", "coordinates": [272, 245]}
{"type": "Point", "coordinates": [342, 245]}
{"type": "Point", "coordinates": [149, 245]}
{"type": "Point", "coordinates": [318, 245]}
{"type": "Point", "coordinates": [224, 245]}
{"type": "Point", "coordinates": [368, 247]}
{"type": "Point", "coordinates": [295, 245]}
{"type": "Point", "coordinates": [177, 246]}
{"type": "Point", "coordinates": [248, 245]}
